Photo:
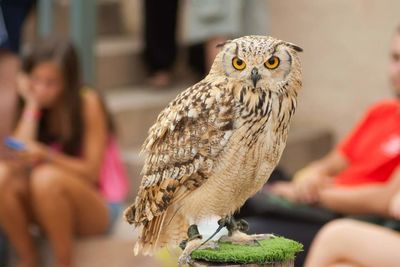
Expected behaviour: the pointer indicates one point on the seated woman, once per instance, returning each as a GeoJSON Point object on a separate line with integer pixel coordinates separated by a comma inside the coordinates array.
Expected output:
{"type": "Point", "coordinates": [55, 180]}
{"type": "Point", "coordinates": [370, 245]}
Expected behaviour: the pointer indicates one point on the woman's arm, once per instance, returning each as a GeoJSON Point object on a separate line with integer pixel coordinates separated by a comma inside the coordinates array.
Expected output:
{"type": "Point", "coordinates": [93, 144]}
{"type": "Point", "coordinates": [330, 165]}
{"type": "Point", "coordinates": [368, 199]}
{"type": "Point", "coordinates": [371, 199]}
{"type": "Point", "coordinates": [27, 125]}
{"type": "Point", "coordinates": [307, 182]}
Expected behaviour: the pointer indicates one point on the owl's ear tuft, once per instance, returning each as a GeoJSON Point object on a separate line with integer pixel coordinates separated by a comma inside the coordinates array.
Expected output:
{"type": "Point", "coordinates": [221, 45]}
{"type": "Point", "coordinates": [295, 47]}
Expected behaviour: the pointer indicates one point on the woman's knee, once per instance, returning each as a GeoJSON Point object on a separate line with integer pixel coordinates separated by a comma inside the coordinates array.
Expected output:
{"type": "Point", "coordinates": [340, 225]}
{"type": "Point", "coordinates": [5, 174]}
{"type": "Point", "coordinates": [10, 184]}
{"type": "Point", "coordinates": [336, 230]}
{"type": "Point", "coordinates": [45, 180]}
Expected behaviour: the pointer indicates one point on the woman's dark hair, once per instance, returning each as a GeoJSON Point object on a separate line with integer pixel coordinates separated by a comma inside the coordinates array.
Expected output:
{"type": "Point", "coordinates": [69, 129]}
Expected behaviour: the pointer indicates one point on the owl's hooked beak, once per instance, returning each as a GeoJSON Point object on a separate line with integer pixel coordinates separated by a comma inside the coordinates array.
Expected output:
{"type": "Point", "coordinates": [255, 76]}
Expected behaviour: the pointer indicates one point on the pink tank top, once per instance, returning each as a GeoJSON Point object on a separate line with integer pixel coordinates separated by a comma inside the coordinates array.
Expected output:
{"type": "Point", "coordinates": [113, 181]}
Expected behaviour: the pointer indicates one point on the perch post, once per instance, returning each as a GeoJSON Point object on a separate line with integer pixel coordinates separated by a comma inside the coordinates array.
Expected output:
{"type": "Point", "coordinates": [273, 252]}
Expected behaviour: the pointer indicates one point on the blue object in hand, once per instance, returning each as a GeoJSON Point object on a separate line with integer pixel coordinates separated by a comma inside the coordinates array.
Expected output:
{"type": "Point", "coordinates": [14, 144]}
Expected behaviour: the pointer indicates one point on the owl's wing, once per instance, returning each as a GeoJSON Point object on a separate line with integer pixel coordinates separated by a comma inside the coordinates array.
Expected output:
{"type": "Point", "coordinates": [182, 147]}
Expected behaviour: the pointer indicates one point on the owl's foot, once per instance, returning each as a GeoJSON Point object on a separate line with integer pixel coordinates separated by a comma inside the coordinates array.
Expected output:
{"type": "Point", "coordinates": [240, 238]}
{"type": "Point", "coordinates": [237, 232]}
{"type": "Point", "coordinates": [193, 234]}
{"type": "Point", "coordinates": [193, 242]}
{"type": "Point", "coordinates": [234, 225]}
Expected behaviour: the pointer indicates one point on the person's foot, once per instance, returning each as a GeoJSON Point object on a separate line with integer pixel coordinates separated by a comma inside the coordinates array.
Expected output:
{"type": "Point", "coordinates": [160, 79]}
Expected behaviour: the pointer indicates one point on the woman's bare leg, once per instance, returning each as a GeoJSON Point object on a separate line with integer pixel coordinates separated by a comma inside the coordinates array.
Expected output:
{"type": "Point", "coordinates": [14, 214]}
{"type": "Point", "coordinates": [355, 244]}
{"type": "Point", "coordinates": [343, 265]}
{"type": "Point", "coordinates": [65, 205]}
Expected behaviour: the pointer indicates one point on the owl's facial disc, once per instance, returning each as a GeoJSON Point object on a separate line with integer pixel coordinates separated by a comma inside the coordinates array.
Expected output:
{"type": "Point", "coordinates": [258, 62]}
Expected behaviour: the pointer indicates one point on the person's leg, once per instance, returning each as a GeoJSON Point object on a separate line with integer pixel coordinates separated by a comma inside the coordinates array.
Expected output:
{"type": "Point", "coordinates": [196, 55]}
{"type": "Point", "coordinates": [343, 264]}
{"type": "Point", "coordinates": [65, 205]}
{"type": "Point", "coordinates": [370, 245]}
{"type": "Point", "coordinates": [15, 13]}
{"type": "Point", "coordinates": [14, 214]}
{"type": "Point", "coordinates": [160, 41]}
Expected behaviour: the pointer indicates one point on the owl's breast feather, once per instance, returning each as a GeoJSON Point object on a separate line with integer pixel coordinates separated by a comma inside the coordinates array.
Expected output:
{"type": "Point", "coordinates": [239, 173]}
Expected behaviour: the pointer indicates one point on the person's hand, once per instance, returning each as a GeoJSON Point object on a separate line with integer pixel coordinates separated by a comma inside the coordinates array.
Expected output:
{"type": "Point", "coordinates": [34, 153]}
{"type": "Point", "coordinates": [282, 189]}
{"type": "Point", "coordinates": [394, 206]}
{"type": "Point", "coordinates": [25, 89]}
{"type": "Point", "coordinates": [307, 184]}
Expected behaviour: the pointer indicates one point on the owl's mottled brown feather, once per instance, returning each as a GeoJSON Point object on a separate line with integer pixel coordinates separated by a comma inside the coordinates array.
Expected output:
{"type": "Point", "coordinates": [182, 146]}
{"type": "Point", "coordinates": [216, 144]}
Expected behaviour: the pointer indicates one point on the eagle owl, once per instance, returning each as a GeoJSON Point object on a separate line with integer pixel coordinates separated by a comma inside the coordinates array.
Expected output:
{"type": "Point", "coordinates": [217, 143]}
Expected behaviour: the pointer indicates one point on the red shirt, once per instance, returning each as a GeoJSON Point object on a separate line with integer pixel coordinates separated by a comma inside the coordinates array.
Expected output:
{"type": "Point", "coordinates": [373, 147]}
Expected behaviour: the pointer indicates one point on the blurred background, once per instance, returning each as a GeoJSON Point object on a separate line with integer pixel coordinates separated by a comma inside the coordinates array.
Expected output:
{"type": "Point", "coordinates": [345, 60]}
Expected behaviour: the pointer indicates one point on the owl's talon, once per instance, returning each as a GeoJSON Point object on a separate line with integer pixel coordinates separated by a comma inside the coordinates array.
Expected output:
{"type": "Point", "coordinates": [240, 238]}
{"type": "Point", "coordinates": [225, 221]}
{"type": "Point", "coordinates": [243, 226]}
{"type": "Point", "coordinates": [209, 245]}
{"type": "Point", "coordinates": [184, 259]}
{"type": "Point", "coordinates": [183, 244]}
{"type": "Point", "coordinates": [190, 246]}
{"type": "Point", "coordinates": [193, 242]}
{"type": "Point", "coordinates": [193, 232]}
{"type": "Point", "coordinates": [232, 225]}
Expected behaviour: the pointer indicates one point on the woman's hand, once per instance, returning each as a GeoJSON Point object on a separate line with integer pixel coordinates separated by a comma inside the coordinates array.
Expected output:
{"type": "Point", "coordinates": [34, 153]}
{"type": "Point", "coordinates": [394, 206]}
{"type": "Point", "coordinates": [307, 184]}
{"type": "Point", "coordinates": [25, 90]}
{"type": "Point", "coordinates": [282, 189]}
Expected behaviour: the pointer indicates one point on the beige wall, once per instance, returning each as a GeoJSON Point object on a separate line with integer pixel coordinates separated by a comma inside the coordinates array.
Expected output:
{"type": "Point", "coordinates": [345, 55]}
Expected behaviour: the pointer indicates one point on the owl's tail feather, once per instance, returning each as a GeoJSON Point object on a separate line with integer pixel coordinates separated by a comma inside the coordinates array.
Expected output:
{"type": "Point", "coordinates": [168, 229]}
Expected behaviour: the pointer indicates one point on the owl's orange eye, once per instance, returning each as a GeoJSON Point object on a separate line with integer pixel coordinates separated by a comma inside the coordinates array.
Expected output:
{"type": "Point", "coordinates": [272, 63]}
{"type": "Point", "coordinates": [238, 64]}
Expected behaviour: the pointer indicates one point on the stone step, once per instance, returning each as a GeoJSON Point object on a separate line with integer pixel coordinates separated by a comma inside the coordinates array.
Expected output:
{"type": "Point", "coordinates": [133, 163]}
{"type": "Point", "coordinates": [117, 51]}
{"type": "Point", "coordinates": [115, 248]}
{"type": "Point", "coordinates": [109, 17]}
{"type": "Point", "coordinates": [136, 109]}
{"type": "Point", "coordinates": [118, 62]}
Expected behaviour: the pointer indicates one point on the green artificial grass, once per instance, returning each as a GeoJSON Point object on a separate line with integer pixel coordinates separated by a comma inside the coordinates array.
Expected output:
{"type": "Point", "coordinates": [275, 249]}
